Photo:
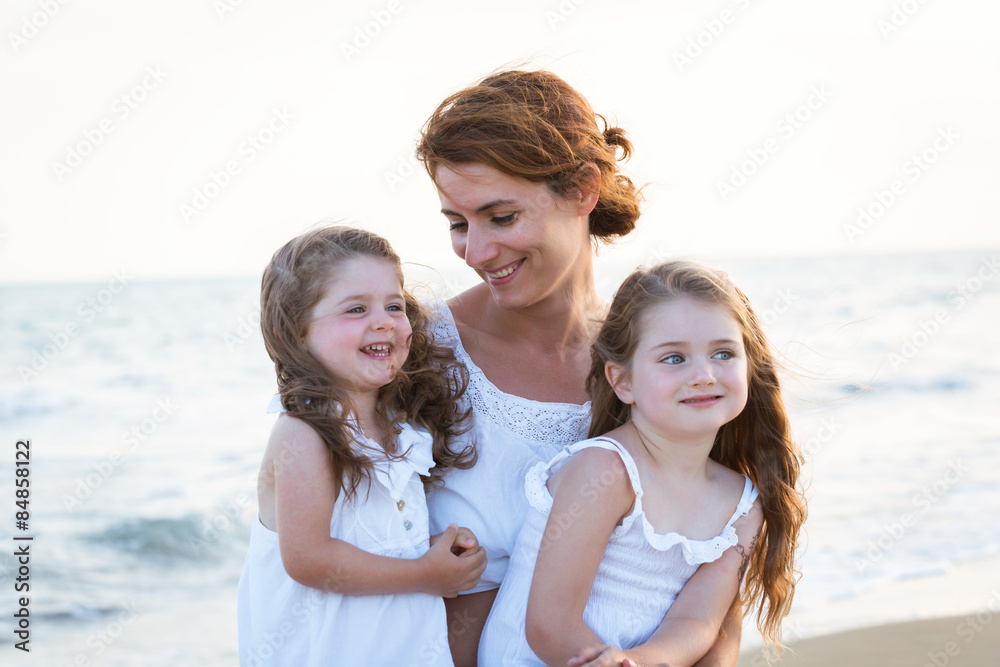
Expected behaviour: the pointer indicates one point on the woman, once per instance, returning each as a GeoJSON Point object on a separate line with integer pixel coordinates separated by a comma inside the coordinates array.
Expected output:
{"type": "Point", "coordinates": [528, 183]}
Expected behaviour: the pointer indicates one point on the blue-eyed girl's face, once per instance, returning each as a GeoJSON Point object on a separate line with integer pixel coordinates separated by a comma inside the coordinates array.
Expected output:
{"type": "Point", "coordinates": [689, 373]}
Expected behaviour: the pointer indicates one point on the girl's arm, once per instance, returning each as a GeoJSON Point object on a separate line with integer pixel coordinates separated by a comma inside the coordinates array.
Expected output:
{"type": "Point", "coordinates": [692, 623]}
{"type": "Point", "coordinates": [305, 492]}
{"type": "Point", "coordinates": [591, 493]}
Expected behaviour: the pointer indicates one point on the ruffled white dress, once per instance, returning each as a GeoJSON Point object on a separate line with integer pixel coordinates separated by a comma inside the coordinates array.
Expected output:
{"type": "Point", "coordinates": [639, 577]}
{"type": "Point", "coordinates": [511, 434]}
{"type": "Point", "coordinates": [282, 622]}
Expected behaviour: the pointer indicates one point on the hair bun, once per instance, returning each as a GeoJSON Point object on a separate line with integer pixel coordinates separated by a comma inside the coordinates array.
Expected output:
{"type": "Point", "coordinates": [615, 136]}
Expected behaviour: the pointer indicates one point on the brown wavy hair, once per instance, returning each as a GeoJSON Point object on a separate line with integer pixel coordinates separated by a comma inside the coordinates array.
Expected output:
{"type": "Point", "coordinates": [426, 391]}
{"type": "Point", "coordinates": [535, 126]}
{"type": "Point", "coordinates": [758, 442]}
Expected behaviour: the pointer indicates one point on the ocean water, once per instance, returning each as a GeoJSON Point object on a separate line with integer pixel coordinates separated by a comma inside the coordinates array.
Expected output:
{"type": "Point", "coordinates": [145, 403]}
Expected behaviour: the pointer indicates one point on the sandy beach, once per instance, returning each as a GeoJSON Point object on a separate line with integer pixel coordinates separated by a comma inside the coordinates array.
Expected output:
{"type": "Point", "coordinates": [960, 641]}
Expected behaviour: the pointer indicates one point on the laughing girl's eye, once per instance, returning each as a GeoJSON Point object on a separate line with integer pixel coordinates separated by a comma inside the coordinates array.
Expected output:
{"type": "Point", "coordinates": [673, 359]}
{"type": "Point", "coordinates": [357, 310]}
{"type": "Point", "coordinates": [395, 307]}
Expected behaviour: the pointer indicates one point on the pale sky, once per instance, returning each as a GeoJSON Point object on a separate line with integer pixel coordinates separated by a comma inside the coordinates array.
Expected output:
{"type": "Point", "coordinates": [760, 128]}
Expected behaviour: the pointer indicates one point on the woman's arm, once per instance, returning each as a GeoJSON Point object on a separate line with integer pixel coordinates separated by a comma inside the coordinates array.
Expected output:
{"type": "Point", "coordinates": [587, 505]}
{"type": "Point", "coordinates": [305, 492]}
{"type": "Point", "coordinates": [726, 650]}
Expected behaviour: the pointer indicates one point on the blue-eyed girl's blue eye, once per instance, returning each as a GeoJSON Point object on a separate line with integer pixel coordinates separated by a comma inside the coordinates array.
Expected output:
{"type": "Point", "coordinates": [725, 355]}
{"type": "Point", "coordinates": [395, 307]}
{"type": "Point", "coordinates": [673, 359]}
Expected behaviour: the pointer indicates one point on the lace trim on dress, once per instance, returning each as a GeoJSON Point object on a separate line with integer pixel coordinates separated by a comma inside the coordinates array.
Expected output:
{"type": "Point", "coordinates": [537, 421]}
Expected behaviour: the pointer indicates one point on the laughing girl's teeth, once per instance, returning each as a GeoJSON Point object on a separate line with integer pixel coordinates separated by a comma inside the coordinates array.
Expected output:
{"type": "Point", "coordinates": [377, 350]}
{"type": "Point", "coordinates": [503, 273]}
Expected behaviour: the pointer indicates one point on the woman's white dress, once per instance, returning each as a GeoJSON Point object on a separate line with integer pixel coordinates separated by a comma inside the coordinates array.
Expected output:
{"type": "Point", "coordinates": [511, 434]}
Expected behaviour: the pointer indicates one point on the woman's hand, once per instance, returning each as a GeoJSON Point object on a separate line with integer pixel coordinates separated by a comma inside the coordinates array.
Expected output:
{"type": "Point", "coordinates": [454, 562]}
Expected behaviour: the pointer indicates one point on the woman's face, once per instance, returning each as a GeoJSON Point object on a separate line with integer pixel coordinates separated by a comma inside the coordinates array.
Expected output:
{"type": "Point", "coordinates": [526, 242]}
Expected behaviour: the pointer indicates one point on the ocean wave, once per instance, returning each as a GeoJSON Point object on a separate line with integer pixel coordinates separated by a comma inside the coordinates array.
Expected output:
{"type": "Point", "coordinates": [22, 402]}
{"type": "Point", "coordinates": [930, 385]}
{"type": "Point", "coordinates": [192, 537]}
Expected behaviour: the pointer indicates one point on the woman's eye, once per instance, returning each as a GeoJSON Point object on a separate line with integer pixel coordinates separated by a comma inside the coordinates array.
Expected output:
{"type": "Point", "coordinates": [504, 219]}
{"type": "Point", "coordinates": [672, 359]}
{"type": "Point", "coordinates": [458, 226]}
{"type": "Point", "coordinates": [725, 355]}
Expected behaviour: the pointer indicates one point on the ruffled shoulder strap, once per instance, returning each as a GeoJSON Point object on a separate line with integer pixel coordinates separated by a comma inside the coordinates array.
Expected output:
{"type": "Point", "coordinates": [538, 475]}
{"type": "Point", "coordinates": [750, 494]}
{"type": "Point", "coordinates": [697, 552]}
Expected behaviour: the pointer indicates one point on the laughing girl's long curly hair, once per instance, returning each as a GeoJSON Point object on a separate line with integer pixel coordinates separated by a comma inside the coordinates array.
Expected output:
{"type": "Point", "coordinates": [425, 391]}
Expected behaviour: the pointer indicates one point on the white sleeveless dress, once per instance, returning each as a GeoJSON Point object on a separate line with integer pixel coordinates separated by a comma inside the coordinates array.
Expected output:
{"type": "Point", "coordinates": [638, 579]}
{"type": "Point", "coordinates": [511, 434]}
{"type": "Point", "coordinates": [283, 623]}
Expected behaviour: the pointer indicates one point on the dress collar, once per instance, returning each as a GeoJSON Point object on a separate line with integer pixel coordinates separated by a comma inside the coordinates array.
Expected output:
{"type": "Point", "coordinates": [416, 457]}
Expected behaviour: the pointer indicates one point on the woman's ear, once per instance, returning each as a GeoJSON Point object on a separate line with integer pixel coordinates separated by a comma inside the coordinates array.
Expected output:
{"type": "Point", "coordinates": [588, 187]}
{"type": "Point", "coordinates": [619, 381]}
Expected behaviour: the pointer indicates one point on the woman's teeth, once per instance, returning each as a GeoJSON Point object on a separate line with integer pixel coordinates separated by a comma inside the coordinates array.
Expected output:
{"type": "Point", "coordinates": [503, 273]}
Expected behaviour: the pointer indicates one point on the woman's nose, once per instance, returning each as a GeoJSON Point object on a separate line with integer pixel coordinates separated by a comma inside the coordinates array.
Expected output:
{"type": "Point", "coordinates": [480, 249]}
